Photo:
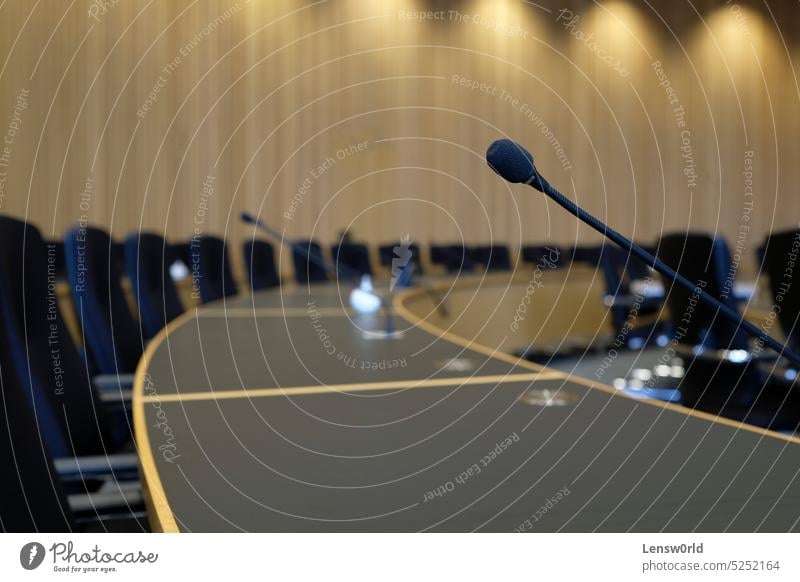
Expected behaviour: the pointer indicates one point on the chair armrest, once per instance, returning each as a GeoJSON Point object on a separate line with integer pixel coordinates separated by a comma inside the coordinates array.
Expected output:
{"type": "Point", "coordinates": [114, 382]}
{"type": "Point", "coordinates": [124, 499]}
{"type": "Point", "coordinates": [99, 511]}
{"type": "Point", "coordinates": [80, 468]}
{"type": "Point", "coordinates": [121, 397]}
{"type": "Point", "coordinates": [115, 391]}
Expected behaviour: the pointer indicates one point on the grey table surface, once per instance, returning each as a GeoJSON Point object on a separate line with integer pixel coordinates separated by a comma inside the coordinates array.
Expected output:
{"type": "Point", "coordinates": [282, 411]}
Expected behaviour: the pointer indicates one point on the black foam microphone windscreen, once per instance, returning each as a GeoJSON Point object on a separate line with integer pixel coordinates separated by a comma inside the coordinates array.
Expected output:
{"type": "Point", "coordinates": [511, 161]}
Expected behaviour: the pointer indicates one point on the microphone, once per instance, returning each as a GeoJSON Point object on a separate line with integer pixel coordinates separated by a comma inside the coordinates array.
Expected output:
{"type": "Point", "coordinates": [514, 163]}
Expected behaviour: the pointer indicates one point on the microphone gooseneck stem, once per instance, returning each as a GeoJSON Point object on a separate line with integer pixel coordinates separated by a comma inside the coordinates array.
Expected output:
{"type": "Point", "coordinates": [662, 268]}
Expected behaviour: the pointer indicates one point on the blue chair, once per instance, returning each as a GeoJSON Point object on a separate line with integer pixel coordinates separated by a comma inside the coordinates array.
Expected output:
{"type": "Point", "coordinates": [454, 258]}
{"type": "Point", "coordinates": [259, 257]}
{"type": "Point", "coordinates": [306, 270]}
{"type": "Point", "coordinates": [33, 492]}
{"type": "Point", "coordinates": [148, 258]}
{"type": "Point", "coordinates": [118, 255]}
{"type": "Point", "coordinates": [32, 498]}
{"type": "Point", "coordinates": [75, 417]}
{"type": "Point", "coordinates": [112, 334]}
{"type": "Point", "coordinates": [55, 253]}
{"type": "Point", "coordinates": [701, 257]}
{"type": "Point", "coordinates": [210, 260]}
{"type": "Point", "coordinates": [614, 265]}
{"type": "Point", "coordinates": [712, 381]}
{"type": "Point", "coordinates": [492, 257]}
{"type": "Point", "coordinates": [181, 251]}
{"type": "Point", "coordinates": [779, 251]}
{"type": "Point", "coordinates": [354, 257]}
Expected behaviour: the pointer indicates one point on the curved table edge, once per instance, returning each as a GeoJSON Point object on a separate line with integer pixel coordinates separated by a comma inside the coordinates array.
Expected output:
{"type": "Point", "coordinates": [399, 307]}
{"type": "Point", "coordinates": [159, 511]}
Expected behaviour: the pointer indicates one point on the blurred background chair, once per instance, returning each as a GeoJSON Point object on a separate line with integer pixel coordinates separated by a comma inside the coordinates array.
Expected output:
{"type": "Point", "coordinates": [76, 417]}
{"type": "Point", "coordinates": [720, 376]}
{"type": "Point", "coordinates": [587, 255]}
{"type": "Point", "coordinates": [454, 258]}
{"type": "Point", "coordinates": [259, 258]}
{"type": "Point", "coordinates": [701, 257]}
{"type": "Point", "coordinates": [59, 258]}
{"type": "Point", "coordinates": [492, 257]}
{"type": "Point", "coordinates": [33, 495]}
{"type": "Point", "coordinates": [308, 270]}
{"type": "Point", "coordinates": [112, 334]}
{"type": "Point", "coordinates": [210, 259]}
{"type": "Point", "coordinates": [354, 257]}
{"type": "Point", "coordinates": [550, 256]}
{"type": "Point", "coordinates": [779, 253]}
{"type": "Point", "coordinates": [148, 258]}
{"type": "Point", "coordinates": [634, 315]}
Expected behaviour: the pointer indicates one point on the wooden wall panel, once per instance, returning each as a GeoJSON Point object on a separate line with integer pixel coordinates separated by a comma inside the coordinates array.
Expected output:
{"type": "Point", "coordinates": [250, 98]}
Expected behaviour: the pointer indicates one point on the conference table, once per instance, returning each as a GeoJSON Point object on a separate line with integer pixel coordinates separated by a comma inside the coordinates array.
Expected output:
{"type": "Point", "coordinates": [284, 410]}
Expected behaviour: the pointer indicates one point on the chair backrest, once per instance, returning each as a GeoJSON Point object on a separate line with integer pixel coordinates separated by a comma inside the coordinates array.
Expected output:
{"type": "Point", "coordinates": [387, 254]}
{"type": "Point", "coordinates": [550, 256]}
{"type": "Point", "coordinates": [588, 255]}
{"type": "Point", "coordinates": [210, 259]}
{"type": "Point", "coordinates": [612, 265]}
{"type": "Point", "coordinates": [613, 262]}
{"type": "Point", "coordinates": [781, 252]}
{"type": "Point", "coordinates": [700, 258]}
{"type": "Point", "coordinates": [118, 256]}
{"type": "Point", "coordinates": [306, 270]}
{"type": "Point", "coordinates": [56, 249]}
{"type": "Point", "coordinates": [54, 377]}
{"type": "Point", "coordinates": [148, 259]}
{"type": "Point", "coordinates": [454, 257]}
{"type": "Point", "coordinates": [354, 257]}
{"type": "Point", "coordinates": [761, 252]}
{"type": "Point", "coordinates": [31, 497]}
{"type": "Point", "coordinates": [181, 251]}
{"type": "Point", "coordinates": [620, 268]}
{"type": "Point", "coordinates": [634, 266]}
{"type": "Point", "coordinates": [493, 257]}
{"type": "Point", "coordinates": [259, 257]}
{"type": "Point", "coordinates": [112, 334]}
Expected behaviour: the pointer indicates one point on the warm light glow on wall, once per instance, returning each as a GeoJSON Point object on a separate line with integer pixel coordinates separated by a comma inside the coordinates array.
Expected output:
{"type": "Point", "coordinates": [736, 32]}
{"type": "Point", "coordinates": [620, 23]}
{"type": "Point", "coordinates": [508, 19]}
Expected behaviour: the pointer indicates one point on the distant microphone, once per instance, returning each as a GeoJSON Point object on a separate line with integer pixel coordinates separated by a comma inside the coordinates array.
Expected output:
{"type": "Point", "coordinates": [514, 163]}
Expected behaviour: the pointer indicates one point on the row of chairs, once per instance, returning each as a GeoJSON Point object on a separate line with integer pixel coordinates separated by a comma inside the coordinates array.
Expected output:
{"type": "Point", "coordinates": [147, 259]}
{"type": "Point", "coordinates": [66, 444]}
{"type": "Point", "coordinates": [96, 279]}
{"type": "Point", "coordinates": [95, 276]}
{"type": "Point", "coordinates": [723, 373]}
{"type": "Point", "coordinates": [262, 268]}
{"type": "Point", "coordinates": [65, 427]}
